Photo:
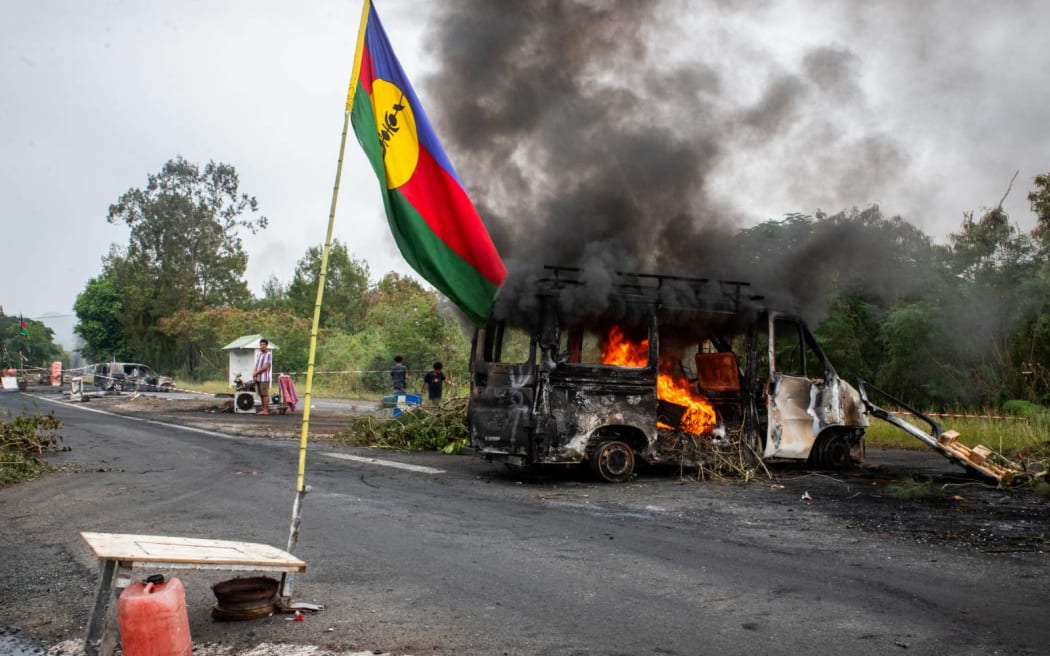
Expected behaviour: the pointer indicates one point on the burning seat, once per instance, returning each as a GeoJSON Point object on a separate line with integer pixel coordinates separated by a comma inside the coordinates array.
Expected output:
{"type": "Point", "coordinates": [717, 372]}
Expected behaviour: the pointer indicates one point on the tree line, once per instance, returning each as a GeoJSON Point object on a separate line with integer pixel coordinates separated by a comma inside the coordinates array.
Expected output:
{"type": "Point", "coordinates": [34, 348]}
{"type": "Point", "coordinates": [176, 292]}
{"type": "Point", "coordinates": [962, 323]}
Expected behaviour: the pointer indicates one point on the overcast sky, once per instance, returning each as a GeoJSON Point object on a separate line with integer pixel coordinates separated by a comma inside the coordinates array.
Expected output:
{"type": "Point", "coordinates": [941, 102]}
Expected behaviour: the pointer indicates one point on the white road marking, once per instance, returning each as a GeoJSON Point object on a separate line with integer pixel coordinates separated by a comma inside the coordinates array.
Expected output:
{"type": "Point", "coordinates": [342, 456]}
{"type": "Point", "coordinates": [191, 429]}
{"type": "Point", "coordinates": [386, 463]}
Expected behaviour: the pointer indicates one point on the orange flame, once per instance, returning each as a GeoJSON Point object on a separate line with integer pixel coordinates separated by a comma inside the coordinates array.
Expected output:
{"type": "Point", "coordinates": [699, 415]}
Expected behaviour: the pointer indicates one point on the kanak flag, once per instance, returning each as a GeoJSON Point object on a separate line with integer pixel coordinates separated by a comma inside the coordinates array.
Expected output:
{"type": "Point", "coordinates": [433, 221]}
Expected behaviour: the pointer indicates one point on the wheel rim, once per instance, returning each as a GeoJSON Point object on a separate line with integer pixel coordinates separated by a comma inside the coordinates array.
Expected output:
{"type": "Point", "coordinates": [833, 454]}
{"type": "Point", "coordinates": [614, 461]}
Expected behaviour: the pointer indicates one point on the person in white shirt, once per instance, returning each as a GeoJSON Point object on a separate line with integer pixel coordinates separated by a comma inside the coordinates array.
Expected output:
{"type": "Point", "coordinates": [261, 375]}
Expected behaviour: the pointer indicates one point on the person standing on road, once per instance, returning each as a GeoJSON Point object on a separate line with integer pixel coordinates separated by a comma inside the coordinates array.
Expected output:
{"type": "Point", "coordinates": [434, 382]}
{"type": "Point", "coordinates": [261, 375]}
{"type": "Point", "coordinates": [399, 375]}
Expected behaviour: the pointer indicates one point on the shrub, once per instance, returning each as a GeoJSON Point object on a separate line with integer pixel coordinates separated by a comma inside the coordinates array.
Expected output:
{"type": "Point", "coordinates": [22, 441]}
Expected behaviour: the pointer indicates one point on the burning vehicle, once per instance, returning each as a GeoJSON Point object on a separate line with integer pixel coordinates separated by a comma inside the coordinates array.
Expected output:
{"type": "Point", "coordinates": [686, 364]}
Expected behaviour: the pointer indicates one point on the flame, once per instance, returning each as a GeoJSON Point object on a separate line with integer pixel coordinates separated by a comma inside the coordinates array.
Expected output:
{"type": "Point", "coordinates": [700, 414]}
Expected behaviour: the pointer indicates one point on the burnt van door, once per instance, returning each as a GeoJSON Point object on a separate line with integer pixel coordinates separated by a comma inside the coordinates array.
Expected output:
{"type": "Point", "coordinates": [502, 389]}
{"type": "Point", "coordinates": [791, 392]}
{"type": "Point", "coordinates": [101, 376]}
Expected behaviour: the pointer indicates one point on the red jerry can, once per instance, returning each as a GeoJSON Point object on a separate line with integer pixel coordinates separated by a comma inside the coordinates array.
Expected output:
{"type": "Point", "coordinates": [153, 620]}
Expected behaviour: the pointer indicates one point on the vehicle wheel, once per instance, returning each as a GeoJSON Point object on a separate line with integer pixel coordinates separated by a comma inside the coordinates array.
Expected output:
{"type": "Point", "coordinates": [831, 453]}
{"type": "Point", "coordinates": [245, 402]}
{"type": "Point", "coordinates": [613, 461]}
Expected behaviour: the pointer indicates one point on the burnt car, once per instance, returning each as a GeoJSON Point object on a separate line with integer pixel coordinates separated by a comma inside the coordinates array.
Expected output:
{"type": "Point", "coordinates": [680, 363]}
{"type": "Point", "coordinates": [130, 376]}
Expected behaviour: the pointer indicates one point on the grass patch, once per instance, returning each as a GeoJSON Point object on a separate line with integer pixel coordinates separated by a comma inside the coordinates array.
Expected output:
{"type": "Point", "coordinates": [911, 490]}
{"type": "Point", "coordinates": [23, 440]}
{"type": "Point", "coordinates": [1041, 488]}
{"type": "Point", "coordinates": [1023, 440]}
{"type": "Point", "coordinates": [1007, 436]}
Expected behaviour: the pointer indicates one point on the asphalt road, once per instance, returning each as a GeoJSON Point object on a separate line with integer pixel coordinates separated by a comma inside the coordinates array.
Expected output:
{"type": "Point", "coordinates": [475, 560]}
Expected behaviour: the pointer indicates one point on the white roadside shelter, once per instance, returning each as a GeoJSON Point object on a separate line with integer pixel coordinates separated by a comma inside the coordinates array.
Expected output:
{"type": "Point", "coordinates": [243, 352]}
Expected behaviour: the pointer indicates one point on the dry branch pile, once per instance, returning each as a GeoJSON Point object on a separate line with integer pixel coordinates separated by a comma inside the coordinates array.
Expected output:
{"type": "Point", "coordinates": [22, 441]}
{"type": "Point", "coordinates": [435, 428]}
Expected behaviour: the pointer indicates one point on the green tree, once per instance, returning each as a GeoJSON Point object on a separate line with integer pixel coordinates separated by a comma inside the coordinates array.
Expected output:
{"type": "Point", "coordinates": [804, 263]}
{"type": "Point", "coordinates": [274, 294]}
{"type": "Point", "coordinates": [185, 233]}
{"type": "Point", "coordinates": [39, 350]}
{"type": "Point", "coordinates": [404, 318]}
{"type": "Point", "coordinates": [184, 252]}
{"type": "Point", "coordinates": [203, 333]}
{"type": "Point", "coordinates": [345, 292]}
{"type": "Point", "coordinates": [99, 308]}
{"type": "Point", "coordinates": [995, 296]}
{"type": "Point", "coordinates": [850, 338]}
{"type": "Point", "coordinates": [1040, 203]}
{"type": "Point", "coordinates": [991, 252]}
{"type": "Point", "coordinates": [918, 362]}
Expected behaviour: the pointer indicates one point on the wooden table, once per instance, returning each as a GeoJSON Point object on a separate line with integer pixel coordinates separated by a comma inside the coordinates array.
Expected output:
{"type": "Point", "coordinates": [120, 553]}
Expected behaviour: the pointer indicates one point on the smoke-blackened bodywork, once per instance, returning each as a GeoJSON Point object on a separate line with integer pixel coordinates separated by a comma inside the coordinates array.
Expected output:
{"type": "Point", "coordinates": [683, 360]}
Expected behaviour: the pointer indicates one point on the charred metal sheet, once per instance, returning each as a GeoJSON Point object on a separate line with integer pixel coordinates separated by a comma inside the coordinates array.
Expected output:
{"type": "Point", "coordinates": [589, 409]}
{"type": "Point", "coordinates": [801, 409]}
{"type": "Point", "coordinates": [501, 409]}
{"type": "Point", "coordinates": [792, 420]}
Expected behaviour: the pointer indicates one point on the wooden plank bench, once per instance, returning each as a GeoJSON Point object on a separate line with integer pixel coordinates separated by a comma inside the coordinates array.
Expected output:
{"type": "Point", "coordinates": [120, 553]}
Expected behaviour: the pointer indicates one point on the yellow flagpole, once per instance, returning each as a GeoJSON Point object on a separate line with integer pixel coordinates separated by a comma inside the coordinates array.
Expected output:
{"type": "Point", "coordinates": [300, 485]}
{"type": "Point", "coordinates": [321, 278]}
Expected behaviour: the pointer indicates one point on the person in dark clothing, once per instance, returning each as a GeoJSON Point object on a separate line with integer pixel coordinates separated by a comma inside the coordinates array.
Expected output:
{"type": "Point", "coordinates": [434, 382]}
{"type": "Point", "coordinates": [399, 375]}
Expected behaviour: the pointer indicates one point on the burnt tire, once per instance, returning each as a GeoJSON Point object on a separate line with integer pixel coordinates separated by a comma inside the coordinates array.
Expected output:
{"type": "Point", "coordinates": [613, 461]}
{"type": "Point", "coordinates": [832, 452]}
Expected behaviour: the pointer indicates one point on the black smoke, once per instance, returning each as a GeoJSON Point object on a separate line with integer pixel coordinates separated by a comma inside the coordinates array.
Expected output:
{"type": "Point", "coordinates": [586, 142]}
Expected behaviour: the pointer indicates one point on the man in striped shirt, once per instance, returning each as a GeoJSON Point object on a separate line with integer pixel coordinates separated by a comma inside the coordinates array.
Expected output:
{"type": "Point", "coordinates": [261, 375]}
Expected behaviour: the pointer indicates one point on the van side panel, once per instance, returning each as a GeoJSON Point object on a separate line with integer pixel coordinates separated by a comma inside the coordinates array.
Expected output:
{"type": "Point", "coordinates": [585, 399]}
{"type": "Point", "coordinates": [501, 409]}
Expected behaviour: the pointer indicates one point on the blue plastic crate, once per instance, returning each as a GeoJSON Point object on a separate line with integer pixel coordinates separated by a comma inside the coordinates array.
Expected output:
{"type": "Point", "coordinates": [403, 402]}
